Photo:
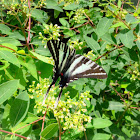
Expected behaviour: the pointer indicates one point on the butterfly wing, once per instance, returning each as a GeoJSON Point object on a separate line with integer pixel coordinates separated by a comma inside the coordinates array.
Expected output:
{"type": "Point", "coordinates": [82, 67]}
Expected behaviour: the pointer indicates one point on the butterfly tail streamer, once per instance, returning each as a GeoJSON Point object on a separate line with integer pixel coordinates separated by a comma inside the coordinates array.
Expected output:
{"type": "Point", "coordinates": [47, 93]}
{"type": "Point", "coordinates": [58, 98]}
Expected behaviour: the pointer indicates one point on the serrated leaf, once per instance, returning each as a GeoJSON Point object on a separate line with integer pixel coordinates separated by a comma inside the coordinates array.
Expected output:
{"type": "Point", "coordinates": [10, 57]}
{"type": "Point", "coordinates": [103, 26]}
{"type": "Point", "coordinates": [117, 106]}
{"type": "Point", "coordinates": [49, 131]}
{"type": "Point", "coordinates": [7, 89]}
{"type": "Point", "coordinates": [19, 108]}
{"type": "Point", "coordinates": [92, 44]}
{"type": "Point", "coordinates": [101, 136]}
{"type": "Point", "coordinates": [126, 37]}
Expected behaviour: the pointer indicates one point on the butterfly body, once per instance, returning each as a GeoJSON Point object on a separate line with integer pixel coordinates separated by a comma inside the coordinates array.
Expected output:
{"type": "Point", "coordinates": [70, 66]}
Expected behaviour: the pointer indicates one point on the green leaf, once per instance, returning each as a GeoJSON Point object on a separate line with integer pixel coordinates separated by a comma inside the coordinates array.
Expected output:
{"type": "Point", "coordinates": [13, 47]}
{"type": "Point", "coordinates": [10, 57]}
{"type": "Point", "coordinates": [101, 136]}
{"type": "Point", "coordinates": [72, 6]}
{"type": "Point", "coordinates": [4, 64]}
{"type": "Point", "coordinates": [55, 8]}
{"type": "Point", "coordinates": [42, 58]}
{"type": "Point", "coordinates": [39, 15]}
{"type": "Point", "coordinates": [5, 117]}
{"type": "Point", "coordinates": [117, 106]}
{"type": "Point", "coordinates": [49, 131]}
{"type": "Point", "coordinates": [7, 89]}
{"type": "Point", "coordinates": [99, 123]}
{"type": "Point", "coordinates": [64, 22]}
{"type": "Point", "coordinates": [126, 37]}
{"type": "Point", "coordinates": [109, 38]}
{"type": "Point", "coordinates": [10, 41]}
{"type": "Point", "coordinates": [42, 51]}
{"type": "Point", "coordinates": [103, 26]}
{"type": "Point", "coordinates": [5, 29]}
{"type": "Point", "coordinates": [29, 64]}
{"type": "Point", "coordinates": [19, 108]}
{"type": "Point", "coordinates": [138, 44]}
{"type": "Point", "coordinates": [92, 44]}
{"type": "Point", "coordinates": [17, 35]}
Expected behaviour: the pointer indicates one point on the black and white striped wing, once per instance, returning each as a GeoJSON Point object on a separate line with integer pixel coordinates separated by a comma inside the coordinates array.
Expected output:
{"type": "Point", "coordinates": [82, 67]}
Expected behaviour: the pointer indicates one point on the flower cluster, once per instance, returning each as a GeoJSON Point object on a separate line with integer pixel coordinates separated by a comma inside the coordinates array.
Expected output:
{"type": "Point", "coordinates": [75, 44]}
{"type": "Point", "coordinates": [90, 55]}
{"type": "Point", "coordinates": [72, 113]}
{"type": "Point", "coordinates": [134, 71]}
{"type": "Point", "coordinates": [51, 31]}
{"type": "Point", "coordinates": [79, 15]}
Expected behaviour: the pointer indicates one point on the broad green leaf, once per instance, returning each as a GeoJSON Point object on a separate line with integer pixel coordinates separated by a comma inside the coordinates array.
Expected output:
{"type": "Point", "coordinates": [55, 8]}
{"type": "Point", "coordinates": [117, 106]}
{"type": "Point", "coordinates": [130, 18]}
{"type": "Point", "coordinates": [119, 24]}
{"type": "Point", "coordinates": [109, 38]}
{"type": "Point", "coordinates": [72, 6]}
{"type": "Point", "coordinates": [49, 131]}
{"type": "Point", "coordinates": [17, 35]}
{"type": "Point", "coordinates": [101, 136]}
{"type": "Point", "coordinates": [10, 57]}
{"type": "Point", "coordinates": [19, 108]}
{"type": "Point", "coordinates": [5, 117]}
{"type": "Point", "coordinates": [10, 41]}
{"type": "Point", "coordinates": [4, 29]}
{"type": "Point", "coordinates": [103, 26]}
{"type": "Point", "coordinates": [126, 37]}
{"type": "Point", "coordinates": [42, 58]}
{"type": "Point", "coordinates": [64, 22]}
{"type": "Point", "coordinates": [30, 118]}
{"type": "Point", "coordinates": [29, 63]}
{"type": "Point", "coordinates": [39, 15]}
{"type": "Point", "coordinates": [13, 47]}
{"type": "Point", "coordinates": [99, 123]}
{"type": "Point", "coordinates": [42, 51]}
{"type": "Point", "coordinates": [92, 43]}
{"type": "Point", "coordinates": [7, 89]}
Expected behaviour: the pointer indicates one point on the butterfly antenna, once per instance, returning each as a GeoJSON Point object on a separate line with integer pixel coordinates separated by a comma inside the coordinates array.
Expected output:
{"type": "Point", "coordinates": [47, 93]}
{"type": "Point", "coordinates": [58, 98]}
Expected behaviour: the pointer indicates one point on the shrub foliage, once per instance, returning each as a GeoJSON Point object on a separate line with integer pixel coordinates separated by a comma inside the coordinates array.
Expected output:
{"type": "Point", "coordinates": [107, 32]}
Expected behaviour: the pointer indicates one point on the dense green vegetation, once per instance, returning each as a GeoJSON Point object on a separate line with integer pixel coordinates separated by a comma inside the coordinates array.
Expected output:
{"type": "Point", "coordinates": [107, 32]}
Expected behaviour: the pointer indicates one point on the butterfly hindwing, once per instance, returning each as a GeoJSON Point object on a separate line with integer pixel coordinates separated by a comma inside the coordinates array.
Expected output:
{"type": "Point", "coordinates": [82, 67]}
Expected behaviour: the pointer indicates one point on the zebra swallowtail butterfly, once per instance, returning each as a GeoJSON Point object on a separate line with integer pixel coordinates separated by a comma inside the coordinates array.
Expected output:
{"type": "Point", "coordinates": [70, 66]}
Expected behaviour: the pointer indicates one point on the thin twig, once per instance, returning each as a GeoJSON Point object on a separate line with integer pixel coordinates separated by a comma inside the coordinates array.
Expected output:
{"type": "Point", "coordinates": [29, 124]}
{"type": "Point", "coordinates": [14, 134]}
{"type": "Point", "coordinates": [108, 52]}
{"type": "Point", "coordinates": [89, 19]}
